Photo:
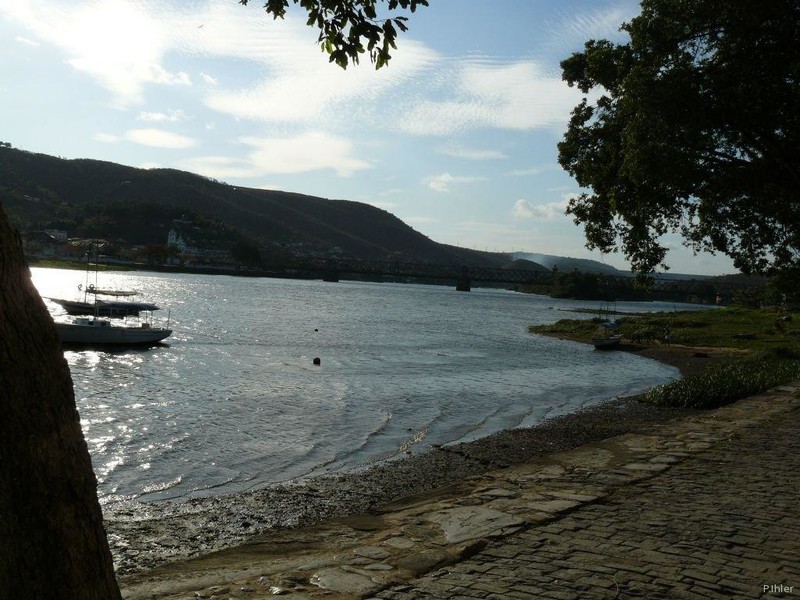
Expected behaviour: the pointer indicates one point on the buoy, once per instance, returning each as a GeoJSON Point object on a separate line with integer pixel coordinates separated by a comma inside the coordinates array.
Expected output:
{"type": "Point", "coordinates": [317, 361]}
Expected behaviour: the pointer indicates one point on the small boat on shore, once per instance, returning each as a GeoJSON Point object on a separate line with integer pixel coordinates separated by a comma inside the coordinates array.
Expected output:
{"type": "Point", "coordinates": [606, 343]}
{"type": "Point", "coordinates": [93, 331]}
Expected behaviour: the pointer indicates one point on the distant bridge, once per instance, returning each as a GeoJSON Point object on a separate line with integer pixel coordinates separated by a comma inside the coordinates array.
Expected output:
{"type": "Point", "coordinates": [462, 276]}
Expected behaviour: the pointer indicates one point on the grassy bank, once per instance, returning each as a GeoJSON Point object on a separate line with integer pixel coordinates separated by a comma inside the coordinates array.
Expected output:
{"type": "Point", "coordinates": [761, 350]}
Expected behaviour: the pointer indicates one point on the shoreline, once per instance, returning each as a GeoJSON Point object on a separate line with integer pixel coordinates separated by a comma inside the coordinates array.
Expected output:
{"type": "Point", "coordinates": [143, 536]}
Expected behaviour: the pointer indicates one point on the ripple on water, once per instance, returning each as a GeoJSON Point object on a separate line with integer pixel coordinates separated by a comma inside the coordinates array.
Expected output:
{"type": "Point", "coordinates": [234, 401]}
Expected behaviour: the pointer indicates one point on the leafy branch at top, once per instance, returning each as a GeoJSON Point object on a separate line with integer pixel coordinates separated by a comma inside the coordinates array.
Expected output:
{"type": "Point", "coordinates": [349, 28]}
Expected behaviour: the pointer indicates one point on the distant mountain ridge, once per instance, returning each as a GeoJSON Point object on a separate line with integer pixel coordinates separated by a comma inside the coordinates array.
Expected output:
{"type": "Point", "coordinates": [99, 199]}
{"type": "Point", "coordinates": [567, 263]}
{"type": "Point", "coordinates": [103, 199]}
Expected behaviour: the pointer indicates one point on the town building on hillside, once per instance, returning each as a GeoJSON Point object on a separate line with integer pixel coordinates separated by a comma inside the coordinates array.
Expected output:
{"type": "Point", "coordinates": [184, 252]}
{"type": "Point", "coordinates": [175, 240]}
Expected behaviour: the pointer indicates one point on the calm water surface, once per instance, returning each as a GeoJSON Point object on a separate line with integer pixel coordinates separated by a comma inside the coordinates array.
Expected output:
{"type": "Point", "coordinates": [234, 401]}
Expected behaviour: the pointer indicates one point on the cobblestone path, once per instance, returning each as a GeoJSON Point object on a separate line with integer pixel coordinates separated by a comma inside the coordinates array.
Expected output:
{"type": "Point", "coordinates": [722, 524]}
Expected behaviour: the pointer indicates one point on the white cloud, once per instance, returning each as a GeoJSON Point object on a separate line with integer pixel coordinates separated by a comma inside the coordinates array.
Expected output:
{"type": "Point", "coordinates": [26, 41]}
{"type": "Point", "coordinates": [129, 46]}
{"type": "Point", "coordinates": [302, 87]}
{"type": "Point", "coordinates": [387, 206]}
{"type": "Point", "coordinates": [120, 44]}
{"type": "Point", "coordinates": [442, 183]}
{"type": "Point", "coordinates": [420, 220]}
{"type": "Point", "coordinates": [156, 138]}
{"type": "Point", "coordinates": [579, 26]}
{"type": "Point", "coordinates": [312, 151]}
{"type": "Point", "coordinates": [524, 209]}
{"type": "Point", "coordinates": [530, 171]}
{"type": "Point", "coordinates": [220, 167]}
{"type": "Point", "coordinates": [471, 153]}
{"type": "Point", "coordinates": [159, 138]}
{"type": "Point", "coordinates": [517, 96]}
{"type": "Point", "coordinates": [172, 116]}
{"type": "Point", "coordinates": [106, 138]}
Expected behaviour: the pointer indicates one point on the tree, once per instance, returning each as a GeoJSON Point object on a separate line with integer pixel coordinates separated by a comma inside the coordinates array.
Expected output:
{"type": "Point", "coordinates": [346, 25]}
{"type": "Point", "coordinates": [53, 541]}
{"type": "Point", "coordinates": [245, 253]}
{"type": "Point", "coordinates": [692, 129]}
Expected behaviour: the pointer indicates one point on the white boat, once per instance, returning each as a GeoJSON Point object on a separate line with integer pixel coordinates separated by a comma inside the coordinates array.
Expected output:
{"type": "Point", "coordinates": [93, 331]}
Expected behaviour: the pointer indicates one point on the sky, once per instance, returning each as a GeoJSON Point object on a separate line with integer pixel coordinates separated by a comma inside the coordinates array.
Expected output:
{"type": "Point", "coordinates": [457, 136]}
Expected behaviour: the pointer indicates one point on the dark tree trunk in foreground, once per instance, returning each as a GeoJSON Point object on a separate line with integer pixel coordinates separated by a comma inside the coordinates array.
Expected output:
{"type": "Point", "coordinates": [52, 540]}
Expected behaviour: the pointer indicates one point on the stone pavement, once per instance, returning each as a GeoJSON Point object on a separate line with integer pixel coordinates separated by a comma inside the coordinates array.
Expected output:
{"type": "Point", "coordinates": [702, 507]}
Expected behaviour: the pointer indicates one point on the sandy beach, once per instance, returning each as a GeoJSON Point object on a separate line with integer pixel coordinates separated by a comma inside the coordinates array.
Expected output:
{"type": "Point", "coordinates": [144, 536]}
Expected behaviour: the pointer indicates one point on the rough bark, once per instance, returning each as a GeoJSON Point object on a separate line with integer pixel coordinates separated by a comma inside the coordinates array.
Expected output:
{"type": "Point", "coordinates": [52, 540]}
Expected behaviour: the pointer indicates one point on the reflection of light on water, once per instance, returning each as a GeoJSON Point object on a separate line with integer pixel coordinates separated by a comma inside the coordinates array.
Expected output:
{"type": "Point", "coordinates": [233, 402]}
{"type": "Point", "coordinates": [104, 470]}
{"type": "Point", "coordinates": [84, 359]}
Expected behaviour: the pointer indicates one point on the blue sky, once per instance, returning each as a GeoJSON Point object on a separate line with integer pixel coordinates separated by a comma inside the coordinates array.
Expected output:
{"type": "Point", "coordinates": [457, 136]}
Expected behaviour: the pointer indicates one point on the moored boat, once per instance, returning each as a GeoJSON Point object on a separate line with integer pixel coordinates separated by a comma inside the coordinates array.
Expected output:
{"type": "Point", "coordinates": [105, 308]}
{"type": "Point", "coordinates": [93, 331]}
{"type": "Point", "coordinates": [606, 343]}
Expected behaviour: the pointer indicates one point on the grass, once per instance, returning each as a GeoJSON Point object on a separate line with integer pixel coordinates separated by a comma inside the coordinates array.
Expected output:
{"type": "Point", "coordinates": [739, 328]}
{"type": "Point", "coordinates": [726, 383]}
{"type": "Point", "coordinates": [769, 342]}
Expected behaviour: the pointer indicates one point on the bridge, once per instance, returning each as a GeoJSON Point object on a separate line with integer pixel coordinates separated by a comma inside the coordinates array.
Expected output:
{"type": "Point", "coordinates": [461, 276]}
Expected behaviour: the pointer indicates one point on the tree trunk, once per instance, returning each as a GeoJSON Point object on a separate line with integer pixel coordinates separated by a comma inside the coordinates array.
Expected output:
{"type": "Point", "coordinates": [52, 540]}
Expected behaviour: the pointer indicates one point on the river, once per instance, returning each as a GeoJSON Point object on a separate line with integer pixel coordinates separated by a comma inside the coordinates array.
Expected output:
{"type": "Point", "coordinates": [235, 402]}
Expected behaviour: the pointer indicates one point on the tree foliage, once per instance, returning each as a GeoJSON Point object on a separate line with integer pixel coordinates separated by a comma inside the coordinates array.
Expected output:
{"type": "Point", "coordinates": [691, 127]}
{"type": "Point", "coordinates": [346, 26]}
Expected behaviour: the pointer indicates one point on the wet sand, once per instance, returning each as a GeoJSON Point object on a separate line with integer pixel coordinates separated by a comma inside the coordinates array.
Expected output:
{"type": "Point", "coordinates": [143, 536]}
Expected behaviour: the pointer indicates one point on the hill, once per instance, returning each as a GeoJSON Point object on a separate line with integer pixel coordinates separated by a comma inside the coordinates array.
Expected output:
{"type": "Point", "coordinates": [566, 264]}
{"type": "Point", "coordinates": [91, 198]}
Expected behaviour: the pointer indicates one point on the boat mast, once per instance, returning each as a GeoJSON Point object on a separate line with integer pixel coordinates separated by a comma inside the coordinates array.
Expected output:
{"type": "Point", "coordinates": [86, 284]}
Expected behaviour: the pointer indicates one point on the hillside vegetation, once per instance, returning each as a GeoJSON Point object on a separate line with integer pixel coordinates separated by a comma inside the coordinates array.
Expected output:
{"type": "Point", "coordinates": [91, 198]}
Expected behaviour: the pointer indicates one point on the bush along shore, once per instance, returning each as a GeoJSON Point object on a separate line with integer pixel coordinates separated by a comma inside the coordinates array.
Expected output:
{"type": "Point", "coordinates": [724, 354]}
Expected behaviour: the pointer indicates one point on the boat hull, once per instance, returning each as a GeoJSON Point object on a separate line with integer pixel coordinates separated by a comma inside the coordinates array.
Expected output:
{"type": "Point", "coordinates": [88, 335]}
{"type": "Point", "coordinates": [104, 308]}
{"type": "Point", "coordinates": [607, 343]}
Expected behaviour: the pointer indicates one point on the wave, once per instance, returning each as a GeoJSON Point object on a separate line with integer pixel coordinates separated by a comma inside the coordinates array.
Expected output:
{"type": "Point", "coordinates": [162, 486]}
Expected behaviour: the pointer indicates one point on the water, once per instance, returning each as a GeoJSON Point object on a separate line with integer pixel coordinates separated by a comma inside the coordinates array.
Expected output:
{"type": "Point", "coordinates": [235, 402]}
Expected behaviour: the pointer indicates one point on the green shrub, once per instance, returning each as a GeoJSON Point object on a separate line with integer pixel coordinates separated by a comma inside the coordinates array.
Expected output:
{"type": "Point", "coordinates": [727, 383]}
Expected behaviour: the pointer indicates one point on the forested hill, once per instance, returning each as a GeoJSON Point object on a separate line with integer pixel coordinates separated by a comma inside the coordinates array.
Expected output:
{"type": "Point", "coordinates": [91, 198]}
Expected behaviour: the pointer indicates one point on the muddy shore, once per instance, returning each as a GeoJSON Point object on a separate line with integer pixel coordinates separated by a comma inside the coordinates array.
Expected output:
{"type": "Point", "coordinates": [143, 536]}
